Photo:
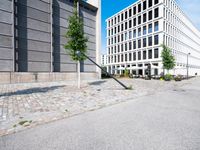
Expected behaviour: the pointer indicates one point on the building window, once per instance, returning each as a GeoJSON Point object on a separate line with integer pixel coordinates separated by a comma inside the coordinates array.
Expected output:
{"type": "Point", "coordinates": [134, 55]}
{"type": "Point", "coordinates": [134, 22]}
{"type": "Point", "coordinates": [130, 34]}
{"type": "Point", "coordinates": [134, 33]}
{"type": "Point", "coordinates": [139, 55]}
{"type": "Point", "coordinates": [156, 53]}
{"type": "Point", "coordinates": [122, 27]}
{"type": "Point", "coordinates": [150, 41]}
{"type": "Point", "coordinates": [126, 36]}
{"type": "Point", "coordinates": [139, 8]}
{"type": "Point", "coordinates": [134, 10]}
{"type": "Point", "coordinates": [144, 5]}
{"type": "Point", "coordinates": [150, 28]}
{"type": "Point", "coordinates": [139, 43]}
{"type": "Point", "coordinates": [115, 20]}
{"type": "Point", "coordinates": [139, 20]}
{"type": "Point", "coordinates": [118, 28]}
{"type": "Point", "coordinates": [144, 55]}
{"type": "Point", "coordinates": [126, 15]}
{"type": "Point", "coordinates": [150, 15]}
{"type": "Point", "coordinates": [139, 32]}
{"type": "Point", "coordinates": [156, 2]}
{"type": "Point", "coordinates": [150, 54]}
{"type": "Point", "coordinates": [156, 28]}
{"type": "Point", "coordinates": [130, 45]}
{"type": "Point", "coordinates": [118, 18]}
{"type": "Point", "coordinates": [134, 44]}
{"type": "Point", "coordinates": [130, 23]}
{"type": "Point", "coordinates": [156, 39]}
{"type": "Point", "coordinates": [122, 17]}
{"type": "Point", "coordinates": [126, 25]}
{"type": "Point", "coordinates": [122, 58]}
{"type": "Point", "coordinates": [156, 13]}
{"type": "Point", "coordinates": [126, 47]}
{"type": "Point", "coordinates": [122, 47]}
{"type": "Point", "coordinates": [144, 30]}
{"type": "Point", "coordinates": [150, 3]}
{"type": "Point", "coordinates": [130, 56]}
{"type": "Point", "coordinates": [130, 12]}
{"type": "Point", "coordinates": [144, 42]}
{"type": "Point", "coordinates": [122, 37]}
{"type": "Point", "coordinates": [144, 17]}
{"type": "Point", "coordinates": [125, 57]}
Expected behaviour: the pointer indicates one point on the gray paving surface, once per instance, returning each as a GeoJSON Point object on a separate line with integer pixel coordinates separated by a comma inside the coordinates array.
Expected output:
{"type": "Point", "coordinates": [165, 120]}
{"type": "Point", "coordinates": [39, 103]}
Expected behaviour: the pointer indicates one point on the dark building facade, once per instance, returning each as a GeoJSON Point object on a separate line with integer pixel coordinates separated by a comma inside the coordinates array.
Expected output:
{"type": "Point", "coordinates": [32, 35]}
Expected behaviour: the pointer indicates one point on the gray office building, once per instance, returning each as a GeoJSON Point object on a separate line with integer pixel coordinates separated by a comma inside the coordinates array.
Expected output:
{"type": "Point", "coordinates": [32, 35]}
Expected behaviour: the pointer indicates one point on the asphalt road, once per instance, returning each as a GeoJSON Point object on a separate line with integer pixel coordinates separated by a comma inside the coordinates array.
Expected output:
{"type": "Point", "coordinates": [169, 120]}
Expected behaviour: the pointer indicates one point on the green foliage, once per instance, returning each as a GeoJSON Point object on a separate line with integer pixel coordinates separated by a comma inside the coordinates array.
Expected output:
{"type": "Point", "coordinates": [168, 59]}
{"type": "Point", "coordinates": [168, 77]}
{"type": "Point", "coordinates": [76, 41]}
{"type": "Point", "coordinates": [126, 73]}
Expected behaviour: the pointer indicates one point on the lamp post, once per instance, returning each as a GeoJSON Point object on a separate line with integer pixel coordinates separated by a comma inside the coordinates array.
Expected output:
{"type": "Point", "coordinates": [187, 66]}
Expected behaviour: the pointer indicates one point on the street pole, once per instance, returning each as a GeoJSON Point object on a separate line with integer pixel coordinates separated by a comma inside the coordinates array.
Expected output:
{"type": "Point", "coordinates": [187, 66]}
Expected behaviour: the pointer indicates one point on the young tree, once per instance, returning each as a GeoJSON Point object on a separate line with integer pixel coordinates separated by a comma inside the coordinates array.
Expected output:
{"type": "Point", "coordinates": [76, 41]}
{"type": "Point", "coordinates": [168, 59]}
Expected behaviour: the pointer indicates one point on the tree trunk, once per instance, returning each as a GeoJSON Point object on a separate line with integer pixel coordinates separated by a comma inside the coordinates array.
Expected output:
{"type": "Point", "coordinates": [79, 75]}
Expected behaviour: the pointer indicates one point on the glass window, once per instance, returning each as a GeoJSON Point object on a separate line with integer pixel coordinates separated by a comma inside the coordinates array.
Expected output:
{"type": "Point", "coordinates": [118, 18]}
{"type": "Point", "coordinates": [122, 37]}
{"type": "Point", "coordinates": [150, 54]}
{"type": "Point", "coordinates": [144, 42]}
{"type": "Point", "coordinates": [125, 14]}
{"type": "Point", "coordinates": [156, 13]}
{"type": "Point", "coordinates": [122, 58]}
{"type": "Point", "coordinates": [144, 5]}
{"type": "Point", "coordinates": [130, 34]}
{"type": "Point", "coordinates": [139, 55]}
{"type": "Point", "coordinates": [130, 56]}
{"type": "Point", "coordinates": [122, 27]}
{"type": "Point", "coordinates": [130, 45]}
{"type": "Point", "coordinates": [134, 44]}
{"type": "Point", "coordinates": [150, 15]}
{"type": "Point", "coordinates": [156, 28]}
{"type": "Point", "coordinates": [125, 57]}
{"type": "Point", "coordinates": [134, 22]}
{"type": "Point", "coordinates": [126, 36]}
{"type": "Point", "coordinates": [122, 47]}
{"type": "Point", "coordinates": [139, 8]}
{"type": "Point", "coordinates": [139, 31]}
{"type": "Point", "coordinates": [122, 17]}
{"type": "Point", "coordinates": [130, 12]}
{"type": "Point", "coordinates": [130, 23]}
{"type": "Point", "coordinates": [139, 43]}
{"type": "Point", "coordinates": [156, 39]}
{"type": "Point", "coordinates": [134, 10]}
{"type": "Point", "coordinates": [144, 54]}
{"type": "Point", "coordinates": [156, 54]}
{"type": "Point", "coordinates": [134, 55]}
{"type": "Point", "coordinates": [144, 30]}
{"type": "Point", "coordinates": [150, 28]}
{"type": "Point", "coordinates": [139, 19]}
{"type": "Point", "coordinates": [134, 33]}
{"type": "Point", "coordinates": [150, 41]}
{"type": "Point", "coordinates": [118, 28]}
{"type": "Point", "coordinates": [126, 47]}
{"type": "Point", "coordinates": [125, 25]}
{"type": "Point", "coordinates": [144, 17]}
{"type": "Point", "coordinates": [150, 3]}
{"type": "Point", "coordinates": [156, 2]}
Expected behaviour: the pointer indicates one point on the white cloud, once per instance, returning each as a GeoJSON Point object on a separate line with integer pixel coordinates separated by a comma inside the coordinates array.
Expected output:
{"type": "Point", "coordinates": [192, 9]}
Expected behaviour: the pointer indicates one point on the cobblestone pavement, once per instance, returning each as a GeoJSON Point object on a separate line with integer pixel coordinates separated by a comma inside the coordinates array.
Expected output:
{"type": "Point", "coordinates": [27, 105]}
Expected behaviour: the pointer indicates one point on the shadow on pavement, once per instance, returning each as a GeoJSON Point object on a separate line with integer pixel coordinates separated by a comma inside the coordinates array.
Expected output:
{"type": "Point", "coordinates": [31, 91]}
{"type": "Point", "coordinates": [97, 82]}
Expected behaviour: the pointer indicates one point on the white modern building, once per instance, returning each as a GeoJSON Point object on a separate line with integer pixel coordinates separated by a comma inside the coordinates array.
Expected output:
{"type": "Point", "coordinates": [135, 35]}
{"type": "Point", "coordinates": [104, 60]}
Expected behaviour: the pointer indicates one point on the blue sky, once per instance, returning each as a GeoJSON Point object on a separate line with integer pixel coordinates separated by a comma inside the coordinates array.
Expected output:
{"type": "Point", "coordinates": [110, 7]}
